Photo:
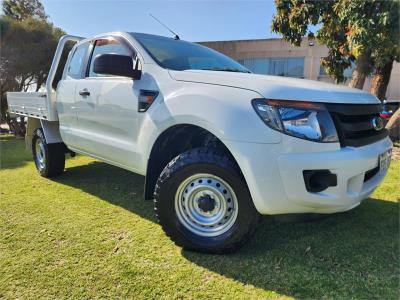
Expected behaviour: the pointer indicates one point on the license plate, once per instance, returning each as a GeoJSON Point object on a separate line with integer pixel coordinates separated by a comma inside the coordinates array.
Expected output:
{"type": "Point", "coordinates": [384, 160]}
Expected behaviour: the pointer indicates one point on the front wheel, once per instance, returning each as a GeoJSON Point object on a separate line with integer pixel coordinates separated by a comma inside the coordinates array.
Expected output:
{"type": "Point", "coordinates": [49, 158]}
{"type": "Point", "coordinates": [203, 203]}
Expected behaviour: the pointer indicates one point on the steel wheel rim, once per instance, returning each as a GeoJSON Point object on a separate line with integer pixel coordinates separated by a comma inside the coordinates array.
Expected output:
{"type": "Point", "coordinates": [40, 154]}
{"type": "Point", "coordinates": [192, 197]}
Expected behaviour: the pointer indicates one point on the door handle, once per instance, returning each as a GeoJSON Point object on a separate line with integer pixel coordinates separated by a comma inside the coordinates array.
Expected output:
{"type": "Point", "coordinates": [84, 93]}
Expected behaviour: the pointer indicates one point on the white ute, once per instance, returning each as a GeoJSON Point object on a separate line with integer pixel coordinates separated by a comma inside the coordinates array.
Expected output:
{"type": "Point", "coordinates": [218, 145]}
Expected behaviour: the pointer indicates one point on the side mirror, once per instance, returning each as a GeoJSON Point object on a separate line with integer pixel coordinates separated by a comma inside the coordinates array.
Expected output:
{"type": "Point", "coordinates": [115, 64]}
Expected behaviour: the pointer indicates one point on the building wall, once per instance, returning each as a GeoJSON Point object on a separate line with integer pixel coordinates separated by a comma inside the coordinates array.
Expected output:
{"type": "Point", "coordinates": [311, 51]}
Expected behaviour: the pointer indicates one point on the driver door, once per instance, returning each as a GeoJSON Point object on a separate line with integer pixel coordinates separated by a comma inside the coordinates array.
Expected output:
{"type": "Point", "coordinates": [107, 110]}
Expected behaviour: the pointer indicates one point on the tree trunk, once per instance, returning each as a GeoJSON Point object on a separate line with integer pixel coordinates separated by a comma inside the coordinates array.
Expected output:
{"type": "Point", "coordinates": [395, 118]}
{"type": "Point", "coordinates": [394, 126]}
{"type": "Point", "coordinates": [381, 80]}
{"type": "Point", "coordinates": [361, 71]}
{"type": "Point", "coordinates": [16, 125]}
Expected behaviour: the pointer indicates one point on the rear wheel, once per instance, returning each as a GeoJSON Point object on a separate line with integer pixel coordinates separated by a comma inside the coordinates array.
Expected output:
{"type": "Point", "coordinates": [49, 158]}
{"type": "Point", "coordinates": [203, 203]}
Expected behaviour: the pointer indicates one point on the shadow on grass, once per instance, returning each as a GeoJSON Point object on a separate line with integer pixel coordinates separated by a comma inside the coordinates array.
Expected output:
{"type": "Point", "coordinates": [349, 255]}
{"type": "Point", "coordinates": [112, 184]}
{"type": "Point", "coordinates": [11, 155]}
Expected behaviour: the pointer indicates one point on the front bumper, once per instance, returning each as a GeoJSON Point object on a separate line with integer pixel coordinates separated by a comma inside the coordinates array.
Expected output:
{"type": "Point", "coordinates": [274, 174]}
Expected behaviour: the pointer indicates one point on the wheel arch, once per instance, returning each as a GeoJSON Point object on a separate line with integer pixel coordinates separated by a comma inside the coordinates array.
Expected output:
{"type": "Point", "coordinates": [171, 142]}
{"type": "Point", "coordinates": [50, 129]}
{"type": "Point", "coordinates": [32, 125]}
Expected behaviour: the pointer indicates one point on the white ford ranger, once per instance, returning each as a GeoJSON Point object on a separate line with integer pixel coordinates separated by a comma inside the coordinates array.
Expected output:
{"type": "Point", "coordinates": [217, 144]}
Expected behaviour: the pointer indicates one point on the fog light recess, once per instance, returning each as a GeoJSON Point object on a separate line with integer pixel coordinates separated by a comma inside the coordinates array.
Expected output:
{"type": "Point", "coordinates": [319, 180]}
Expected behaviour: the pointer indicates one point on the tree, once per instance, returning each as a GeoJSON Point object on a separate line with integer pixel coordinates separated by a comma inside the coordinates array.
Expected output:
{"type": "Point", "coordinates": [24, 9]}
{"type": "Point", "coordinates": [373, 29]}
{"type": "Point", "coordinates": [295, 19]}
{"type": "Point", "coordinates": [27, 47]}
{"type": "Point", "coordinates": [365, 32]}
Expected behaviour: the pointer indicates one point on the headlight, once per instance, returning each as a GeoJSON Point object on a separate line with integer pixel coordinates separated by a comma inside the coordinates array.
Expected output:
{"type": "Point", "coordinates": [305, 120]}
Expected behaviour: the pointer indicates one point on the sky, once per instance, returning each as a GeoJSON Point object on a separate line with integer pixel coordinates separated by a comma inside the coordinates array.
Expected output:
{"type": "Point", "coordinates": [192, 20]}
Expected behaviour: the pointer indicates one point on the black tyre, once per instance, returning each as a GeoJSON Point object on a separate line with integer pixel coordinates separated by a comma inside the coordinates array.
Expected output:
{"type": "Point", "coordinates": [49, 158]}
{"type": "Point", "coordinates": [203, 203]}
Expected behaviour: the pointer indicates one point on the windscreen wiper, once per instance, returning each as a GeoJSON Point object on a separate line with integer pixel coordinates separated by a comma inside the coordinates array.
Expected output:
{"type": "Point", "coordinates": [227, 70]}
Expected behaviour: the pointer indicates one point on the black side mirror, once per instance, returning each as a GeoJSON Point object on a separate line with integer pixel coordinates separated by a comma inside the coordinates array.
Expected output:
{"type": "Point", "coordinates": [115, 64]}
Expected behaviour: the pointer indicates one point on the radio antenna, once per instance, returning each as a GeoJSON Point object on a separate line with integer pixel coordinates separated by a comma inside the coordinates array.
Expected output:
{"type": "Point", "coordinates": [176, 37]}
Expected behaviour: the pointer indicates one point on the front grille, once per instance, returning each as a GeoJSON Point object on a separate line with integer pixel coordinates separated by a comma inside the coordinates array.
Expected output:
{"type": "Point", "coordinates": [354, 123]}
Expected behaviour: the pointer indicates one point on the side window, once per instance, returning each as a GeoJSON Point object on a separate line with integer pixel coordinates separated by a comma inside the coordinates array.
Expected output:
{"type": "Point", "coordinates": [75, 64]}
{"type": "Point", "coordinates": [106, 46]}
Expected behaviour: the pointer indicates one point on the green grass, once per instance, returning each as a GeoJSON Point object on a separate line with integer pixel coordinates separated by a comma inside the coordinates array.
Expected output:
{"type": "Point", "coordinates": [89, 234]}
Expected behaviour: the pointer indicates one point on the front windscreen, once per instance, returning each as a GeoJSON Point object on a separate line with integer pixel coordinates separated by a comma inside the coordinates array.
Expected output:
{"type": "Point", "coordinates": [180, 55]}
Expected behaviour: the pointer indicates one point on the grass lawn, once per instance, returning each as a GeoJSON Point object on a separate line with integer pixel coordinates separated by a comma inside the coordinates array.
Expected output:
{"type": "Point", "coordinates": [89, 234]}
